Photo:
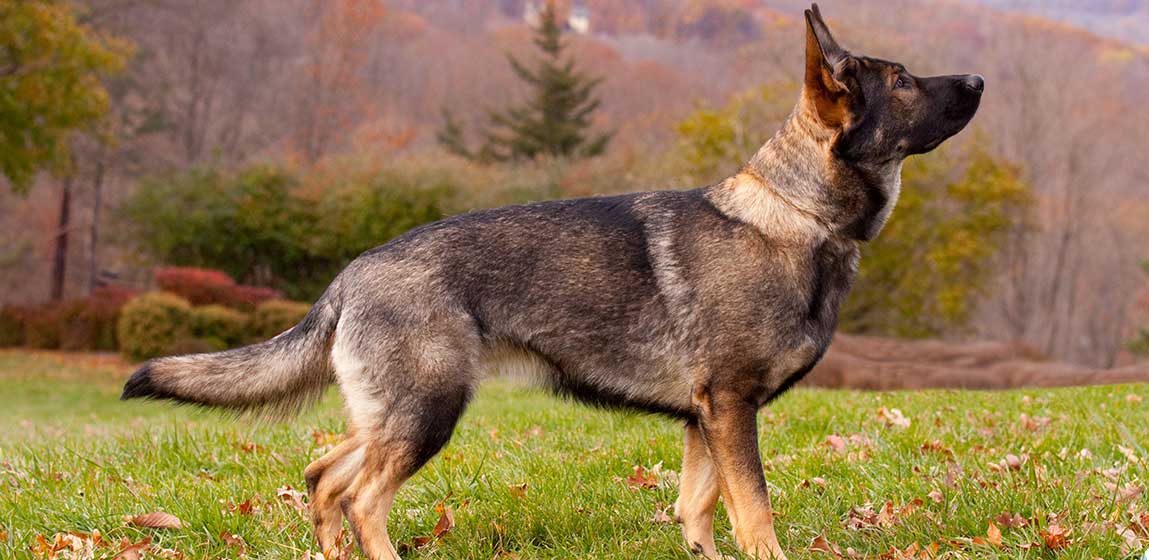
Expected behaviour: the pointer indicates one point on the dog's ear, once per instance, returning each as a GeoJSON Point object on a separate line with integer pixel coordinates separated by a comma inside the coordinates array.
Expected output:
{"type": "Point", "coordinates": [830, 72]}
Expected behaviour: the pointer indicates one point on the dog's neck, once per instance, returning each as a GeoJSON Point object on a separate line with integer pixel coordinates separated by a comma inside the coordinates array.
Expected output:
{"type": "Point", "coordinates": [796, 186]}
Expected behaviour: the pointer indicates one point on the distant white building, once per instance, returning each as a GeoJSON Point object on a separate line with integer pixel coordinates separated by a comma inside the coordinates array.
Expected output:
{"type": "Point", "coordinates": [578, 20]}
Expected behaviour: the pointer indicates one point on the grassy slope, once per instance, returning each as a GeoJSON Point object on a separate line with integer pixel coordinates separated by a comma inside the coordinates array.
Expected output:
{"type": "Point", "coordinates": [72, 458]}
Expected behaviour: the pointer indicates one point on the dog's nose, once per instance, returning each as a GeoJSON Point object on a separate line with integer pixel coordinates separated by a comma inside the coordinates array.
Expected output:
{"type": "Point", "coordinates": [974, 82]}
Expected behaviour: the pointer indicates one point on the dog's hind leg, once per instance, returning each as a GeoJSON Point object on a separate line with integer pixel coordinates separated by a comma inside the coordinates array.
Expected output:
{"type": "Point", "coordinates": [327, 479]}
{"type": "Point", "coordinates": [698, 494]}
{"type": "Point", "coordinates": [410, 436]}
{"type": "Point", "coordinates": [405, 391]}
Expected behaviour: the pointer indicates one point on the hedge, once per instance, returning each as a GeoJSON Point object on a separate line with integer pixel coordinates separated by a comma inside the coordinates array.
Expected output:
{"type": "Point", "coordinates": [152, 323]}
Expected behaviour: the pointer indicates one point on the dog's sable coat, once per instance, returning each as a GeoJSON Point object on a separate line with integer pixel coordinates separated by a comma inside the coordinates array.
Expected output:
{"type": "Point", "coordinates": [702, 304]}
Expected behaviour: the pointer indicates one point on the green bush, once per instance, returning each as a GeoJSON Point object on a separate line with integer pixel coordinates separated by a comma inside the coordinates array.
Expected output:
{"type": "Point", "coordinates": [12, 326]}
{"type": "Point", "coordinates": [269, 227]}
{"type": "Point", "coordinates": [275, 316]}
{"type": "Point", "coordinates": [219, 325]}
{"type": "Point", "coordinates": [150, 324]}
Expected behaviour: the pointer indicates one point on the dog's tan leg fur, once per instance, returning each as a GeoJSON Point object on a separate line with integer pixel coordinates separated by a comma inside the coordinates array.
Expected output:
{"type": "Point", "coordinates": [368, 501]}
{"type": "Point", "coordinates": [729, 428]}
{"type": "Point", "coordinates": [698, 495]}
{"type": "Point", "coordinates": [327, 479]}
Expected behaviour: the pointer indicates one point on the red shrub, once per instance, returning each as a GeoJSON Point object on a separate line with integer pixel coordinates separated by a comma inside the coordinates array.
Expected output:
{"type": "Point", "coordinates": [202, 286]}
{"type": "Point", "coordinates": [248, 297]}
{"type": "Point", "coordinates": [42, 326]}
{"type": "Point", "coordinates": [12, 320]}
{"type": "Point", "coordinates": [90, 323]}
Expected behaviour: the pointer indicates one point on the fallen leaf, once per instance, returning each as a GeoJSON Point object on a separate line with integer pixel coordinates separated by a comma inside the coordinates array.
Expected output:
{"type": "Point", "coordinates": [292, 497]}
{"type": "Point", "coordinates": [641, 478]}
{"type": "Point", "coordinates": [661, 516]}
{"type": "Point", "coordinates": [156, 520]}
{"type": "Point", "coordinates": [936, 495]}
{"type": "Point", "coordinates": [822, 544]}
{"type": "Point", "coordinates": [1055, 536]}
{"type": "Point", "coordinates": [835, 442]}
{"type": "Point", "coordinates": [519, 490]}
{"type": "Point", "coordinates": [234, 541]}
{"type": "Point", "coordinates": [993, 534]}
{"type": "Point", "coordinates": [445, 524]}
{"type": "Point", "coordinates": [1011, 521]}
{"type": "Point", "coordinates": [893, 417]}
{"type": "Point", "coordinates": [132, 551]}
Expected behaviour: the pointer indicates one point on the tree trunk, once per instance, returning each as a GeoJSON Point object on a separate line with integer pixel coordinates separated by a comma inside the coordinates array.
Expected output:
{"type": "Point", "coordinates": [94, 234]}
{"type": "Point", "coordinates": [60, 262]}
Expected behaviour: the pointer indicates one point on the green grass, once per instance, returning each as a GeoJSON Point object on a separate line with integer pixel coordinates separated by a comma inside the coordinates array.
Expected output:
{"type": "Point", "coordinates": [73, 458]}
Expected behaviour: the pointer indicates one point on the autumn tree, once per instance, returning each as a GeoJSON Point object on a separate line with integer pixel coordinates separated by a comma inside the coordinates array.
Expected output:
{"type": "Point", "coordinates": [50, 87]}
{"type": "Point", "coordinates": [555, 121]}
{"type": "Point", "coordinates": [50, 69]}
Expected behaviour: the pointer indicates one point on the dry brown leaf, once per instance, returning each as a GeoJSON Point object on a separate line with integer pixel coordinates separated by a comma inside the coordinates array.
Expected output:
{"type": "Point", "coordinates": [132, 551]}
{"type": "Point", "coordinates": [235, 542]}
{"type": "Point", "coordinates": [519, 490]}
{"type": "Point", "coordinates": [893, 417]}
{"type": "Point", "coordinates": [642, 478]}
{"type": "Point", "coordinates": [1011, 521]}
{"type": "Point", "coordinates": [993, 534]}
{"type": "Point", "coordinates": [822, 544]}
{"type": "Point", "coordinates": [836, 442]}
{"type": "Point", "coordinates": [156, 520]}
{"type": "Point", "coordinates": [661, 516]}
{"type": "Point", "coordinates": [936, 495]}
{"type": "Point", "coordinates": [445, 524]}
{"type": "Point", "coordinates": [292, 497]}
{"type": "Point", "coordinates": [1055, 536]}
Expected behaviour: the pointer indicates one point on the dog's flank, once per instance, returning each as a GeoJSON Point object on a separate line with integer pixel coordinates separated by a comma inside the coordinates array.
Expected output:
{"type": "Point", "coordinates": [703, 305]}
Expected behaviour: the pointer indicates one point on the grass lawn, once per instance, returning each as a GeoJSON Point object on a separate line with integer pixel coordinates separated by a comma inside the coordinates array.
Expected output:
{"type": "Point", "coordinates": [1058, 472]}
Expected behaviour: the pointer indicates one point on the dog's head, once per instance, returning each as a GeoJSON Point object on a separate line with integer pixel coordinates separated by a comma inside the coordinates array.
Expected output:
{"type": "Point", "coordinates": [879, 112]}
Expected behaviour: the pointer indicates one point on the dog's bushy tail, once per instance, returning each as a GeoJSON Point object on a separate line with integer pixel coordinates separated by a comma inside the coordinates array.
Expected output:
{"type": "Point", "coordinates": [281, 375]}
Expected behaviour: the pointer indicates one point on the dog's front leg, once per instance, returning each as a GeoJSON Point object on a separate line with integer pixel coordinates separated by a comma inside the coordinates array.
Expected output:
{"type": "Point", "coordinates": [698, 494]}
{"type": "Point", "coordinates": [728, 425]}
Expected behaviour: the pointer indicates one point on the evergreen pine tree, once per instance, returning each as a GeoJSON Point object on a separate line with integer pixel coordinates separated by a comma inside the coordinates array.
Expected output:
{"type": "Point", "coordinates": [555, 121]}
{"type": "Point", "coordinates": [451, 136]}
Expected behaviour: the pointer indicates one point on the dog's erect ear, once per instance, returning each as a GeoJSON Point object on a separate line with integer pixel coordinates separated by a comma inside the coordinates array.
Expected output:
{"type": "Point", "coordinates": [829, 71]}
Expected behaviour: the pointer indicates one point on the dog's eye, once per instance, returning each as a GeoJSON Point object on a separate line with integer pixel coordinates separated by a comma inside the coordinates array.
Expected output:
{"type": "Point", "coordinates": [901, 83]}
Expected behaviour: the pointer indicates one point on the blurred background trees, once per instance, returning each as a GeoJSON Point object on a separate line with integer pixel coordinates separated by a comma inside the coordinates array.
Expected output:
{"type": "Point", "coordinates": [273, 140]}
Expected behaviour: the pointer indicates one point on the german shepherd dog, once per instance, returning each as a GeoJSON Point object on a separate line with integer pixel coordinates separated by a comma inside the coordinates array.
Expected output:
{"type": "Point", "coordinates": [703, 305]}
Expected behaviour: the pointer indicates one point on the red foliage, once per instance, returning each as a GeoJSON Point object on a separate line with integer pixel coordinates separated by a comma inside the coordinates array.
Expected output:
{"type": "Point", "coordinates": [247, 297]}
{"type": "Point", "coordinates": [202, 286]}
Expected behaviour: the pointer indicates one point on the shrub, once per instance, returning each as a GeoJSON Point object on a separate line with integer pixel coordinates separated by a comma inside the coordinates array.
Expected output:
{"type": "Point", "coordinates": [200, 286]}
{"type": "Point", "coordinates": [194, 345]}
{"type": "Point", "coordinates": [221, 326]}
{"type": "Point", "coordinates": [90, 323]}
{"type": "Point", "coordinates": [203, 286]}
{"type": "Point", "coordinates": [151, 323]}
{"type": "Point", "coordinates": [260, 223]}
{"type": "Point", "coordinates": [247, 298]}
{"type": "Point", "coordinates": [12, 326]}
{"type": "Point", "coordinates": [42, 326]}
{"type": "Point", "coordinates": [275, 316]}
